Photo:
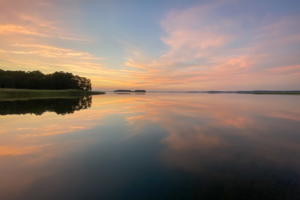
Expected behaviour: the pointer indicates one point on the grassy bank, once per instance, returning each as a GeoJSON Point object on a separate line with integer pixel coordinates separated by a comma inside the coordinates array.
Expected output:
{"type": "Point", "coordinates": [25, 93]}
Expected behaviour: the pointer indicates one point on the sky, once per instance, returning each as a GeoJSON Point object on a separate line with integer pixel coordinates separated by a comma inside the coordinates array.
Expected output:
{"type": "Point", "coordinates": [157, 45]}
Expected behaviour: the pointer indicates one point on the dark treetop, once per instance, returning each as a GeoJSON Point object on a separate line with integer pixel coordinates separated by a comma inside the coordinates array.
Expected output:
{"type": "Point", "coordinates": [38, 80]}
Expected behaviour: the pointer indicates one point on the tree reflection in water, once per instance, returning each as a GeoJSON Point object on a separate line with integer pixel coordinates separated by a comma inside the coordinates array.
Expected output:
{"type": "Point", "coordinates": [39, 106]}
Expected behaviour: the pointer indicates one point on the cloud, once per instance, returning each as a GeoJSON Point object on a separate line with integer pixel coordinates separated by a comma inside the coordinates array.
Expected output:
{"type": "Point", "coordinates": [35, 18]}
{"type": "Point", "coordinates": [202, 127]}
{"type": "Point", "coordinates": [35, 35]}
{"type": "Point", "coordinates": [17, 150]}
{"type": "Point", "coordinates": [291, 70]}
{"type": "Point", "coordinates": [205, 48]}
{"type": "Point", "coordinates": [210, 51]}
{"type": "Point", "coordinates": [50, 51]}
{"type": "Point", "coordinates": [11, 29]}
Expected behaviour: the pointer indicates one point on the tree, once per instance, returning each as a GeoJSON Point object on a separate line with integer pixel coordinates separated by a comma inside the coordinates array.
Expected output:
{"type": "Point", "coordinates": [38, 80]}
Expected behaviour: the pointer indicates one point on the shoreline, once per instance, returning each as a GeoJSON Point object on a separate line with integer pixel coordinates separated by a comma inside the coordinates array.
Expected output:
{"type": "Point", "coordinates": [256, 92]}
{"type": "Point", "coordinates": [9, 94]}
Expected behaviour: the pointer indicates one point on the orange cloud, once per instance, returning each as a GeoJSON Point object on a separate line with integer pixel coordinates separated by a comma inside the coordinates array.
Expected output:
{"type": "Point", "coordinates": [17, 150]}
{"type": "Point", "coordinates": [10, 28]}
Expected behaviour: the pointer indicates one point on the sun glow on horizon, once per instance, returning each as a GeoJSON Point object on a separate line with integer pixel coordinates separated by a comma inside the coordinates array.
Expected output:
{"type": "Point", "coordinates": [221, 45]}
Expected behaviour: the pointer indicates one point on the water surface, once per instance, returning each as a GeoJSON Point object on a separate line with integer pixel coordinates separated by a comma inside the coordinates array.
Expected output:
{"type": "Point", "coordinates": [153, 146]}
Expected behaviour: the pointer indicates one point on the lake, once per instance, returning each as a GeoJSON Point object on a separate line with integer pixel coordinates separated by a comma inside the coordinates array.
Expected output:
{"type": "Point", "coordinates": [151, 146]}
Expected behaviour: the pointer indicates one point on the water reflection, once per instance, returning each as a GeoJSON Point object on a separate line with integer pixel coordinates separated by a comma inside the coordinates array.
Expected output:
{"type": "Point", "coordinates": [156, 146]}
{"type": "Point", "coordinates": [39, 106]}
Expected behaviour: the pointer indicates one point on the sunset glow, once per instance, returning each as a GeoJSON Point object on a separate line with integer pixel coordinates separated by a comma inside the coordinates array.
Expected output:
{"type": "Point", "coordinates": [156, 45]}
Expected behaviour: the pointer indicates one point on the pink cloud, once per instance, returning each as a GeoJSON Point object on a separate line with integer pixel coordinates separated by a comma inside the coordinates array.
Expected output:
{"type": "Point", "coordinates": [293, 70]}
{"type": "Point", "coordinates": [215, 53]}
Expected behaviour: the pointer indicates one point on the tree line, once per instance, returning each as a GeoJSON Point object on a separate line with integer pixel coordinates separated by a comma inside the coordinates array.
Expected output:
{"type": "Point", "coordinates": [38, 80]}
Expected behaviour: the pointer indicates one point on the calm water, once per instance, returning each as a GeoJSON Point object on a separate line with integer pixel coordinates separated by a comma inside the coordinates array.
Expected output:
{"type": "Point", "coordinates": [153, 146]}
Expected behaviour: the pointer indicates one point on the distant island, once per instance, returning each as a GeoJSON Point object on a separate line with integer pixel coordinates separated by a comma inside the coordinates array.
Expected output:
{"type": "Point", "coordinates": [130, 91]}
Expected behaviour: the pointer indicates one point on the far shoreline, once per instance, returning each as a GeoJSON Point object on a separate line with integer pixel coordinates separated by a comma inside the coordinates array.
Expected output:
{"type": "Point", "coordinates": [256, 92]}
{"type": "Point", "coordinates": [259, 92]}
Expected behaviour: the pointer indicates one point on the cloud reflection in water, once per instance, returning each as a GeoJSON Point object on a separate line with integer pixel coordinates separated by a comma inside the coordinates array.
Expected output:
{"type": "Point", "coordinates": [158, 146]}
